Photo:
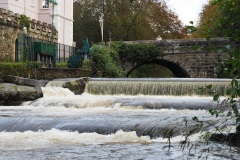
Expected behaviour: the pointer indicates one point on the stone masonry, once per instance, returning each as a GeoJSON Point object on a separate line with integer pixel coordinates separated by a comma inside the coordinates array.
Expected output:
{"type": "Point", "coordinates": [11, 26]}
{"type": "Point", "coordinates": [188, 58]}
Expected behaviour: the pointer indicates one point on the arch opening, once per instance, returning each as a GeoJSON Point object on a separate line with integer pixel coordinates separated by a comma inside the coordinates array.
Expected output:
{"type": "Point", "coordinates": [168, 67]}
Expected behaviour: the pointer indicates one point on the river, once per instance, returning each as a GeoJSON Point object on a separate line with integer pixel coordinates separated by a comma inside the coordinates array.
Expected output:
{"type": "Point", "coordinates": [62, 125]}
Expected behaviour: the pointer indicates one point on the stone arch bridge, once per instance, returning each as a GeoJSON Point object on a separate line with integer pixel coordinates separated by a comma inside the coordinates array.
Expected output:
{"type": "Point", "coordinates": [186, 58]}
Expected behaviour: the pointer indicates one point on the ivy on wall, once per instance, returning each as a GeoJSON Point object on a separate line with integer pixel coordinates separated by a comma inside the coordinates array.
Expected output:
{"type": "Point", "coordinates": [110, 60]}
{"type": "Point", "coordinates": [24, 21]}
{"type": "Point", "coordinates": [26, 69]}
{"type": "Point", "coordinates": [136, 52]}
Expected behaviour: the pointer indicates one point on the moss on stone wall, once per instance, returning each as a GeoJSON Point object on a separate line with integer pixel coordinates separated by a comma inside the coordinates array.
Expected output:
{"type": "Point", "coordinates": [24, 21]}
{"type": "Point", "coordinates": [12, 25]}
{"type": "Point", "coordinates": [34, 70]}
{"type": "Point", "coordinates": [26, 69]}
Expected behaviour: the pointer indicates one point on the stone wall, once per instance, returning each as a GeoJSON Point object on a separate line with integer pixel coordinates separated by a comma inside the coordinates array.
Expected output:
{"type": "Point", "coordinates": [193, 57]}
{"type": "Point", "coordinates": [55, 73]}
{"type": "Point", "coordinates": [11, 25]}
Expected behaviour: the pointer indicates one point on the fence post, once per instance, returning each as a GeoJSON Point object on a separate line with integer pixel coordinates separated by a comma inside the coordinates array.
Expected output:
{"type": "Point", "coordinates": [54, 57]}
{"type": "Point", "coordinates": [59, 53]}
{"type": "Point", "coordinates": [64, 53]}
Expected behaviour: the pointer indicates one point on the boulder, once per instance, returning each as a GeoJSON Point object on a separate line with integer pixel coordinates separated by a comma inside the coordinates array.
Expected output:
{"type": "Point", "coordinates": [18, 89]}
{"type": "Point", "coordinates": [12, 94]}
{"type": "Point", "coordinates": [77, 86]}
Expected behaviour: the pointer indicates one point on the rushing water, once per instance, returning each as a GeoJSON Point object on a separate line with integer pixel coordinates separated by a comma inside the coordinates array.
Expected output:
{"type": "Point", "coordinates": [62, 125]}
{"type": "Point", "coordinates": [154, 86]}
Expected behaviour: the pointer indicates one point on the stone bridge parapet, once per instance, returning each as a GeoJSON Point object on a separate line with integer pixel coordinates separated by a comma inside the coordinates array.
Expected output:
{"type": "Point", "coordinates": [195, 58]}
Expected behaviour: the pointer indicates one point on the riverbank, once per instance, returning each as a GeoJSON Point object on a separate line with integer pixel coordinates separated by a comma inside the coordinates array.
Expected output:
{"type": "Point", "coordinates": [12, 94]}
{"type": "Point", "coordinates": [15, 90]}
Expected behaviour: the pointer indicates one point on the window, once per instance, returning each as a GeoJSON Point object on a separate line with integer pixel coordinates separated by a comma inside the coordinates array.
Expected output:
{"type": "Point", "coordinates": [33, 3]}
{"type": "Point", "coordinates": [45, 4]}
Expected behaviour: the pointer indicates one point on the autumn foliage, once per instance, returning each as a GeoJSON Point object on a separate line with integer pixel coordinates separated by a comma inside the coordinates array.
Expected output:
{"type": "Point", "coordinates": [126, 19]}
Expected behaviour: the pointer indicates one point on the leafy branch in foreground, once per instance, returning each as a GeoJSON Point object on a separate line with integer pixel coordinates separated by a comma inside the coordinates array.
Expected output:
{"type": "Point", "coordinates": [223, 24]}
{"type": "Point", "coordinates": [227, 107]}
{"type": "Point", "coordinates": [217, 133]}
{"type": "Point", "coordinates": [229, 103]}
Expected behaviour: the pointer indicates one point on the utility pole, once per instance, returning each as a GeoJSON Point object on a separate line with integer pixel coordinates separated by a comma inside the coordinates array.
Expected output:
{"type": "Point", "coordinates": [101, 24]}
{"type": "Point", "coordinates": [53, 4]}
{"type": "Point", "coordinates": [54, 49]}
{"type": "Point", "coordinates": [101, 17]}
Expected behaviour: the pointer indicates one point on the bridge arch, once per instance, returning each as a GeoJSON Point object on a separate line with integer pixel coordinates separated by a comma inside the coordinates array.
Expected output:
{"type": "Point", "coordinates": [184, 57]}
{"type": "Point", "coordinates": [176, 69]}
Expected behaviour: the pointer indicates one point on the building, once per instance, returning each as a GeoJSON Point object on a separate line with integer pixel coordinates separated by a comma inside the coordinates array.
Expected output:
{"type": "Point", "coordinates": [56, 12]}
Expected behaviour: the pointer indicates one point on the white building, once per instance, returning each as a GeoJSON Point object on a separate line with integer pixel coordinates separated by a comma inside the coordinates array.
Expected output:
{"type": "Point", "coordinates": [60, 14]}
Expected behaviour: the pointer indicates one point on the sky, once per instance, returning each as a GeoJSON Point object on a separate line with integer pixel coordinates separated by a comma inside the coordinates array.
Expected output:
{"type": "Point", "coordinates": [187, 10]}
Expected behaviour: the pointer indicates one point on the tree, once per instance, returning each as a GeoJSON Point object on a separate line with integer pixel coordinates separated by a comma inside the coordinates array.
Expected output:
{"type": "Point", "coordinates": [226, 25]}
{"type": "Point", "coordinates": [220, 18]}
{"type": "Point", "coordinates": [208, 19]}
{"type": "Point", "coordinates": [127, 20]}
{"type": "Point", "coordinates": [85, 15]}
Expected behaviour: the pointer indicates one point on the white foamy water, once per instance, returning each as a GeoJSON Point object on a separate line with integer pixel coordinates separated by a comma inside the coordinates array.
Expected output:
{"type": "Point", "coordinates": [56, 91]}
{"type": "Point", "coordinates": [62, 125]}
{"type": "Point", "coordinates": [56, 144]}
{"type": "Point", "coordinates": [62, 97]}
{"type": "Point", "coordinates": [41, 139]}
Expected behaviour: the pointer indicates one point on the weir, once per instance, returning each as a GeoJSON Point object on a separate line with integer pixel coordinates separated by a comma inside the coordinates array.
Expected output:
{"type": "Point", "coordinates": [154, 86]}
{"type": "Point", "coordinates": [144, 93]}
{"type": "Point", "coordinates": [61, 82]}
{"type": "Point", "coordinates": [127, 115]}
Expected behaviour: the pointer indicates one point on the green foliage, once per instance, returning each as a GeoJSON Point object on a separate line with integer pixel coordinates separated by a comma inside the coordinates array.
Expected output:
{"type": "Point", "coordinates": [116, 45]}
{"type": "Point", "coordinates": [26, 69]}
{"type": "Point", "coordinates": [208, 20]}
{"type": "Point", "coordinates": [228, 26]}
{"type": "Point", "coordinates": [138, 52]}
{"type": "Point", "coordinates": [86, 21]}
{"type": "Point", "coordinates": [220, 18]}
{"type": "Point", "coordinates": [24, 21]}
{"type": "Point", "coordinates": [86, 64]}
{"type": "Point", "coordinates": [106, 60]}
{"type": "Point", "coordinates": [127, 20]}
{"type": "Point", "coordinates": [61, 65]}
{"type": "Point", "coordinates": [141, 53]}
{"type": "Point", "coordinates": [225, 24]}
{"type": "Point", "coordinates": [109, 60]}
{"type": "Point", "coordinates": [228, 23]}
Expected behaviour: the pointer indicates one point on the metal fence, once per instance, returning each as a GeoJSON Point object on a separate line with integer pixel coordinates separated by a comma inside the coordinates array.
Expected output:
{"type": "Point", "coordinates": [64, 52]}
{"type": "Point", "coordinates": [27, 50]}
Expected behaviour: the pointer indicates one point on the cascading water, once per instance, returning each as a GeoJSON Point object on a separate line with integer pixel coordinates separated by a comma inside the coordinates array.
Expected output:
{"type": "Point", "coordinates": [157, 86]}
{"type": "Point", "coordinates": [127, 120]}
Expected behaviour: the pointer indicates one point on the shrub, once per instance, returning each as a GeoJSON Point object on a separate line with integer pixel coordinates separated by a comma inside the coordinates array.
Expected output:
{"type": "Point", "coordinates": [26, 69]}
{"type": "Point", "coordinates": [61, 65]}
{"type": "Point", "coordinates": [106, 60]}
{"type": "Point", "coordinates": [138, 52]}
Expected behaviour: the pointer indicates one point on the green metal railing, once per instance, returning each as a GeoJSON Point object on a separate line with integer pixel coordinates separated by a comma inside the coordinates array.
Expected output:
{"type": "Point", "coordinates": [44, 48]}
{"type": "Point", "coordinates": [29, 48]}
